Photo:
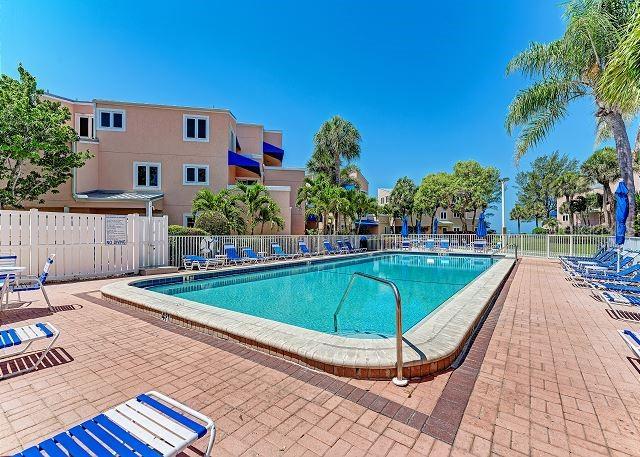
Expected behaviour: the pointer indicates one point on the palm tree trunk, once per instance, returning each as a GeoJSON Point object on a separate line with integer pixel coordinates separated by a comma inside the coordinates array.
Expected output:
{"type": "Point", "coordinates": [616, 123]}
{"type": "Point", "coordinates": [606, 191]}
{"type": "Point", "coordinates": [518, 225]}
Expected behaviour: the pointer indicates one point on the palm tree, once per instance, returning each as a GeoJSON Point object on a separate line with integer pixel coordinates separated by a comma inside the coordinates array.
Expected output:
{"type": "Point", "coordinates": [252, 197]}
{"type": "Point", "coordinates": [602, 167]}
{"type": "Point", "coordinates": [223, 202]}
{"type": "Point", "coordinates": [311, 194]}
{"type": "Point", "coordinates": [568, 69]}
{"type": "Point", "coordinates": [337, 140]}
{"type": "Point", "coordinates": [519, 213]}
{"type": "Point", "coordinates": [360, 204]}
{"type": "Point", "coordinates": [270, 214]}
{"type": "Point", "coordinates": [569, 184]}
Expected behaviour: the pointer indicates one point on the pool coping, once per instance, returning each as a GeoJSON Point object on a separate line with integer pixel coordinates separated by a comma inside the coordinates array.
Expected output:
{"type": "Point", "coordinates": [430, 346]}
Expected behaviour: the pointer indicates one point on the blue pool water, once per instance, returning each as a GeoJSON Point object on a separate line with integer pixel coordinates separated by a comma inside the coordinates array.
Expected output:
{"type": "Point", "coordinates": [307, 296]}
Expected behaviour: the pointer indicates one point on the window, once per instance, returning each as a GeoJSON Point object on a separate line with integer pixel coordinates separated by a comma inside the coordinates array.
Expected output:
{"type": "Point", "coordinates": [146, 175]}
{"type": "Point", "coordinates": [188, 220]}
{"type": "Point", "coordinates": [443, 215]}
{"type": "Point", "coordinates": [195, 128]}
{"type": "Point", "coordinates": [112, 119]}
{"type": "Point", "coordinates": [456, 229]}
{"type": "Point", "coordinates": [195, 174]}
{"type": "Point", "coordinates": [456, 214]}
{"type": "Point", "coordinates": [84, 125]}
{"type": "Point", "coordinates": [565, 218]}
{"type": "Point", "coordinates": [232, 140]}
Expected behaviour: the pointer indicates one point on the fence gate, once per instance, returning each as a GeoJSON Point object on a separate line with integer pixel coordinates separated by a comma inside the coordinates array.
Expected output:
{"type": "Point", "coordinates": [85, 245]}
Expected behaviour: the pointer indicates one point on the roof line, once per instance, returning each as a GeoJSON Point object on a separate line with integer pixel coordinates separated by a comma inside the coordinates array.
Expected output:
{"type": "Point", "coordinates": [156, 105]}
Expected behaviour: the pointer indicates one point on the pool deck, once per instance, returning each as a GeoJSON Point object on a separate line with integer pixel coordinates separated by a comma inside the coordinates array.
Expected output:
{"type": "Point", "coordinates": [431, 346]}
{"type": "Point", "coordinates": [548, 374]}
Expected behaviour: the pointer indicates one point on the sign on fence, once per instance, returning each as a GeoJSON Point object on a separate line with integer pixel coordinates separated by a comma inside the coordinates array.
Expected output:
{"type": "Point", "coordinates": [85, 245]}
{"type": "Point", "coordinates": [115, 230]}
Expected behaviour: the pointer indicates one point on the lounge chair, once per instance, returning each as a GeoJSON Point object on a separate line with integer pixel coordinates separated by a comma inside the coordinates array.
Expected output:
{"type": "Point", "coordinates": [625, 275]}
{"type": "Point", "coordinates": [351, 248]}
{"type": "Point", "coordinates": [430, 244]}
{"type": "Point", "coordinates": [617, 298]}
{"type": "Point", "coordinates": [233, 257]}
{"type": "Point", "coordinates": [329, 249]}
{"type": "Point", "coordinates": [479, 245]}
{"type": "Point", "coordinates": [615, 287]}
{"type": "Point", "coordinates": [610, 266]}
{"type": "Point", "coordinates": [21, 338]}
{"type": "Point", "coordinates": [605, 259]}
{"type": "Point", "coordinates": [602, 251]}
{"type": "Point", "coordinates": [632, 339]}
{"type": "Point", "coordinates": [343, 247]}
{"type": "Point", "coordinates": [280, 254]}
{"type": "Point", "coordinates": [406, 244]}
{"type": "Point", "coordinates": [197, 261]}
{"type": "Point", "coordinates": [304, 249]}
{"type": "Point", "coordinates": [258, 256]}
{"type": "Point", "coordinates": [444, 244]}
{"type": "Point", "coordinates": [151, 424]}
{"type": "Point", "coordinates": [28, 283]}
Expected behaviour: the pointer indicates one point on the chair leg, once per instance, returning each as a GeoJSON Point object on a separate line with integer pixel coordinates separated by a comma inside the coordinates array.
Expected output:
{"type": "Point", "coordinates": [46, 297]}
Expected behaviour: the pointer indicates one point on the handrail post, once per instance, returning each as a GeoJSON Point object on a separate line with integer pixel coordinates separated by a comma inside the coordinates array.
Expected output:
{"type": "Point", "coordinates": [398, 380]}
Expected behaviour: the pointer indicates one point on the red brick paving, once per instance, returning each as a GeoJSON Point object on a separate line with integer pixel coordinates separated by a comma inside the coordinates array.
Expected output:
{"type": "Point", "coordinates": [556, 379]}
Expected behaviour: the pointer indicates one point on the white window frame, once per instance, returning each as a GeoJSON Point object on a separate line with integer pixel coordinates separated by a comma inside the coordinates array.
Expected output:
{"type": "Point", "coordinates": [232, 140]}
{"type": "Point", "coordinates": [111, 111]}
{"type": "Point", "coordinates": [443, 218]}
{"type": "Point", "coordinates": [196, 117]}
{"type": "Point", "coordinates": [196, 166]}
{"type": "Point", "coordinates": [147, 164]}
{"type": "Point", "coordinates": [91, 125]}
{"type": "Point", "coordinates": [185, 217]}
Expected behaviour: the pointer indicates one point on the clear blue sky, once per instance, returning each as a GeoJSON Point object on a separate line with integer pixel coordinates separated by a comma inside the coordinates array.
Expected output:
{"type": "Point", "coordinates": [424, 82]}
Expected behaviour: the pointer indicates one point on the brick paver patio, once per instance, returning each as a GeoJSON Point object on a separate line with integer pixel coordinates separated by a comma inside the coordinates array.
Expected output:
{"type": "Point", "coordinates": [553, 378]}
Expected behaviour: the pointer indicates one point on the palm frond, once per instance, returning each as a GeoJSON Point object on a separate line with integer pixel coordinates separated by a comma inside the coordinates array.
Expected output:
{"type": "Point", "coordinates": [539, 59]}
{"type": "Point", "coordinates": [537, 128]}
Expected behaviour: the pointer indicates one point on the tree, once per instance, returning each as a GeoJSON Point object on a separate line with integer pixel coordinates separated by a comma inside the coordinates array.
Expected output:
{"type": "Point", "coordinates": [337, 140]}
{"type": "Point", "coordinates": [213, 222]}
{"type": "Point", "coordinates": [537, 186]}
{"type": "Point", "coordinates": [252, 198]}
{"type": "Point", "coordinates": [402, 197]}
{"type": "Point", "coordinates": [435, 191]}
{"type": "Point", "coordinates": [312, 194]}
{"type": "Point", "coordinates": [223, 202]}
{"type": "Point", "coordinates": [602, 167]}
{"type": "Point", "coordinates": [519, 213]}
{"type": "Point", "coordinates": [35, 142]}
{"type": "Point", "coordinates": [474, 188]}
{"type": "Point", "coordinates": [270, 214]}
{"type": "Point", "coordinates": [568, 69]}
{"type": "Point", "coordinates": [360, 204]}
{"type": "Point", "coordinates": [569, 184]}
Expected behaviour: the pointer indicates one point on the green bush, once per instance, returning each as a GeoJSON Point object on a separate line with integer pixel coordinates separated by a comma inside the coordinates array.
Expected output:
{"type": "Point", "coordinates": [179, 230]}
{"type": "Point", "coordinates": [539, 231]}
{"type": "Point", "coordinates": [213, 222]}
{"type": "Point", "coordinates": [593, 230]}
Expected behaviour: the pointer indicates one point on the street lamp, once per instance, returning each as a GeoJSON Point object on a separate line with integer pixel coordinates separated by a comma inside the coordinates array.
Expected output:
{"type": "Point", "coordinates": [504, 227]}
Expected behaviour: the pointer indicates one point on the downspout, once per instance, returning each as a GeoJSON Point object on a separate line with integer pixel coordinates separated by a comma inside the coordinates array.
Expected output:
{"type": "Point", "coordinates": [74, 184]}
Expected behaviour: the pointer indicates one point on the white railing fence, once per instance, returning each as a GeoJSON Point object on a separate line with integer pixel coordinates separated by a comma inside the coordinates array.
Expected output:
{"type": "Point", "coordinates": [81, 244]}
{"type": "Point", "coordinates": [549, 246]}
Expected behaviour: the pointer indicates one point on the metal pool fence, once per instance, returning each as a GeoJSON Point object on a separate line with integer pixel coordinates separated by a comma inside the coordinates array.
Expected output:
{"type": "Point", "coordinates": [549, 246]}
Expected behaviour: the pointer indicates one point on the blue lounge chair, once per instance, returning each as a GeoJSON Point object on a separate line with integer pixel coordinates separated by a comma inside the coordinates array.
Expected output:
{"type": "Point", "coordinates": [197, 261]}
{"type": "Point", "coordinates": [304, 249]}
{"type": "Point", "coordinates": [625, 275]}
{"type": "Point", "coordinates": [480, 245]}
{"type": "Point", "coordinates": [609, 266]}
{"type": "Point", "coordinates": [430, 244]}
{"type": "Point", "coordinates": [350, 248]}
{"type": "Point", "coordinates": [150, 425]}
{"type": "Point", "coordinates": [5, 280]}
{"type": "Point", "coordinates": [444, 244]}
{"type": "Point", "coordinates": [607, 259]}
{"type": "Point", "coordinates": [615, 287]}
{"type": "Point", "coordinates": [342, 247]}
{"type": "Point", "coordinates": [16, 341]}
{"type": "Point", "coordinates": [31, 283]}
{"type": "Point", "coordinates": [406, 244]}
{"type": "Point", "coordinates": [596, 256]}
{"type": "Point", "coordinates": [233, 257]}
{"type": "Point", "coordinates": [279, 252]}
{"type": "Point", "coordinates": [259, 257]}
{"type": "Point", "coordinates": [617, 298]}
{"type": "Point", "coordinates": [329, 248]}
{"type": "Point", "coordinates": [632, 339]}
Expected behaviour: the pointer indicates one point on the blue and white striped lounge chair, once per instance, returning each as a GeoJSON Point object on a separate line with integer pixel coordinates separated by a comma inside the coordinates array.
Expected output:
{"type": "Point", "coordinates": [329, 249]}
{"type": "Point", "coordinates": [625, 275]}
{"type": "Point", "coordinates": [191, 262]}
{"type": "Point", "coordinates": [30, 283]}
{"type": "Point", "coordinates": [343, 247]}
{"type": "Point", "coordinates": [406, 244]}
{"type": "Point", "coordinates": [233, 257]}
{"type": "Point", "coordinates": [258, 256]}
{"type": "Point", "coordinates": [350, 248]}
{"type": "Point", "coordinates": [280, 254]}
{"type": "Point", "coordinates": [444, 244]}
{"type": "Point", "coordinates": [632, 339]}
{"type": "Point", "coordinates": [430, 244]}
{"type": "Point", "coordinates": [608, 259]}
{"type": "Point", "coordinates": [16, 341]}
{"type": "Point", "coordinates": [5, 280]}
{"type": "Point", "coordinates": [304, 249]}
{"type": "Point", "coordinates": [610, 266]}
{"type": "Point", "coordinates": [601, 252]}
{"type": "Point", "coordinates": [150, 425]}
{"type": "Point", "coordinates": [480, 245]}
{"type": "Point", "coordinates": [617, 298]}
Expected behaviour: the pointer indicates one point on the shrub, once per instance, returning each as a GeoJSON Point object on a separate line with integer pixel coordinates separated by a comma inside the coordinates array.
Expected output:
{"type": "Point", "coordinates": [594, 230]}
{"type": "Point", "coordinates": [179, 230]}
{"type": "Point", "coordinates": [213, 222]}
{"type": "Point", "coordinates": [539, 231]}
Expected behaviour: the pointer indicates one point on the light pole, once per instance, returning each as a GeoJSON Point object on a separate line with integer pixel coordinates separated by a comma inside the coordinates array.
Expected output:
{"type": "Point", "coordinates": [504, 226]}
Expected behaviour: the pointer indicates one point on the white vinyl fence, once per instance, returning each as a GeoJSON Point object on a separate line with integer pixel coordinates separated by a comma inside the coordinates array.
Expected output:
{"type": "Point", "coordinates": [83, 246]}
{"type": "Point", "coordinates": [549, 246]}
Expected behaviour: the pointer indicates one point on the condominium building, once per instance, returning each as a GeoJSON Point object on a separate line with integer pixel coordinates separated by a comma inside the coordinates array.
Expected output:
{"type": "Point", "coordinates": [149, 157]}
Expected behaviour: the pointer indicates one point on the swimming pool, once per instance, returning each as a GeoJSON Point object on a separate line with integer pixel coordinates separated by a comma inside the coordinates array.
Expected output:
{"type": "Point", "coordinates": [307, 295]}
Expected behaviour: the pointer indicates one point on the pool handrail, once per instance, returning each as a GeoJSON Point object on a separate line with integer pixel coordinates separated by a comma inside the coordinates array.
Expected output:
{"type": "Point", "coordinates": [398, 380]}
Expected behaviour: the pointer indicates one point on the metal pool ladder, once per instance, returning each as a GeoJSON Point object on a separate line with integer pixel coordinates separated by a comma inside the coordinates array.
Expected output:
{"type": "Point", "coordinates": [398, 380]}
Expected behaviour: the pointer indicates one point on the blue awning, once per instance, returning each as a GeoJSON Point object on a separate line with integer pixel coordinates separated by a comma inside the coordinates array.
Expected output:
{"type": "Point", "coordinates": [244, 162]}
{"type": "Point", "coordinates": [367, 222]}
{"type": "Point", "coordinates": [273, 151]}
